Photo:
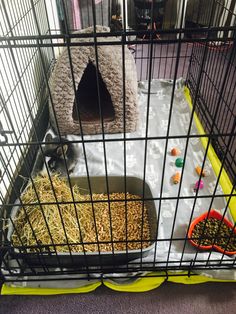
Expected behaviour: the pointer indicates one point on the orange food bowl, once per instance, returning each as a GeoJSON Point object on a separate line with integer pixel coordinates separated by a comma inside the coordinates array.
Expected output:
{"type": "Point", "coordinates": [218, 216]}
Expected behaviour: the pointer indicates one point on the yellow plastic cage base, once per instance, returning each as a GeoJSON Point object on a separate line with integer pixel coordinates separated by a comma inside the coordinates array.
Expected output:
{"type": "Point", "coordinates": [140, 285]}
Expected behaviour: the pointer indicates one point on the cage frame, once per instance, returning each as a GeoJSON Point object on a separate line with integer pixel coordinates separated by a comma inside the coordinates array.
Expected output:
{"type": "Point", "coordinates": [50, 41]}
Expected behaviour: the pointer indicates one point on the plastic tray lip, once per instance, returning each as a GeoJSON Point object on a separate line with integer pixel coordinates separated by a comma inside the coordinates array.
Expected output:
{"type": "Point", "coordinates": [147, 249]}
{"type": "Point", "coordinates": [115, 252]}
{"type": "Point", "coordinates": [103, 253]}
{"type": "Point", "coordinates": [214, 214]}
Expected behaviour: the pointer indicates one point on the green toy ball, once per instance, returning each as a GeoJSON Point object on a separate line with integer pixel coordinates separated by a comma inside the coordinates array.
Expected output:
{"type": "Point", "coordinates": [179, 162]}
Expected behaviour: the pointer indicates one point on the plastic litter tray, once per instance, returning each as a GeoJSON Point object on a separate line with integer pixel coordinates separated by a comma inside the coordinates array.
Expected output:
{"type": "Point", "coordinates": [98, 185]}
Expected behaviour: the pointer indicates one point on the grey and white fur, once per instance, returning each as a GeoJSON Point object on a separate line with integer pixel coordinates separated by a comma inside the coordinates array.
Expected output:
{"type": "Point", "coordinates": [61, 157]}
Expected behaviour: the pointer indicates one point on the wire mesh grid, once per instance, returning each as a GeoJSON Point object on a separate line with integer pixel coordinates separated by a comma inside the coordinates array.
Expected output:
{"type": "Point", "coordinates": [191, 43]}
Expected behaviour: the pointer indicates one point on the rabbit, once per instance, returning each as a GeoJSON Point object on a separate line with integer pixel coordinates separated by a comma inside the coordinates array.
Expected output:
{"type": "Point", "coordinates": [55, 158]}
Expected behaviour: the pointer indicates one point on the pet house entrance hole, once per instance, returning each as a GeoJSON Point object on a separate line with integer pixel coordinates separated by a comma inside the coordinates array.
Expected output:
{"type": "Point", "coordinates": [87, 98]}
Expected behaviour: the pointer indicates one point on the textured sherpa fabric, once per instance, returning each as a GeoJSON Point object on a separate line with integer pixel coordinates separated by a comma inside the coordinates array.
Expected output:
{"type": "Point", "coordinates": [110, 68]}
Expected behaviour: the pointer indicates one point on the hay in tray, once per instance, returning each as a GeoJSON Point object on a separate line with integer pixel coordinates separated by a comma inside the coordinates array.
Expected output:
{"type": "Point", "coordinates": [59, 223]}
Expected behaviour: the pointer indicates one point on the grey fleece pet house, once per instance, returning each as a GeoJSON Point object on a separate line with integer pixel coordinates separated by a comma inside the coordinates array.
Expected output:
{"type": "Point", "coordinates": [110, 79]}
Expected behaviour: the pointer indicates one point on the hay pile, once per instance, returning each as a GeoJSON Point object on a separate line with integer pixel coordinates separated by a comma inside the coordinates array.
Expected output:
{"type": "Point", "coordinates": [59, 223]}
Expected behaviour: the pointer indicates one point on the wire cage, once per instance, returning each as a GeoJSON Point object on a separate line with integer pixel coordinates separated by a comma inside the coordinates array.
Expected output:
{"type": "Point", "coordinates": [150, 200]}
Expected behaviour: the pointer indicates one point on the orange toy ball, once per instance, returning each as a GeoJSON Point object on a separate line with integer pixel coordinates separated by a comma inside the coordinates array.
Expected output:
{"type": "Point", "coordinates": [175, 152]}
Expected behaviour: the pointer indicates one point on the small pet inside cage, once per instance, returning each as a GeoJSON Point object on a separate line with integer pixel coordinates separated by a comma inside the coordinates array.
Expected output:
{"type": "Point", "coordinates": [61, 156]}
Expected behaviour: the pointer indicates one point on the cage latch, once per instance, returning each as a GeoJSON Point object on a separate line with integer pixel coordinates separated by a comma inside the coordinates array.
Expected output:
{"type": "Point", "coordinates": [3, 134]}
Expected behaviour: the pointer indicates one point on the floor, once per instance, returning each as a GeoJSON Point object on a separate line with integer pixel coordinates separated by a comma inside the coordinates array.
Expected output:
{"type": "Point", "coordinates": [169, 298]}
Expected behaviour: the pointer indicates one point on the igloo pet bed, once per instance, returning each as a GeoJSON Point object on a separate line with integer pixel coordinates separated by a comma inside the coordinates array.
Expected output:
{"type": "Point", "coordinates": [110, 77]}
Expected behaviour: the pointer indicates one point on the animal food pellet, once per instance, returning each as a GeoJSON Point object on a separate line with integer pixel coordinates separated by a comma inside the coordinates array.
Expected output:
{"type": "Point", "coordinates": [199, 169]}
{"type": "Point", "coordinates": [215, 232]}
{"type": "Point", "coordinates": [199, 185]}
{"type": "Point", "coordinates": [179, 162]}
{"type": "Point", "coordinates": [175, 152]}
{"type": "Point", "coordinates": [176, 177]}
